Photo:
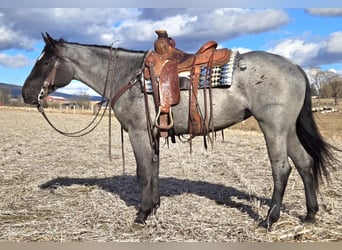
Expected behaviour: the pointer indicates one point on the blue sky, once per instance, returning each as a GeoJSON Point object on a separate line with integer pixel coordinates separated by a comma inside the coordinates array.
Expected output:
{"type": "Point", "coordinates": [309, 37]}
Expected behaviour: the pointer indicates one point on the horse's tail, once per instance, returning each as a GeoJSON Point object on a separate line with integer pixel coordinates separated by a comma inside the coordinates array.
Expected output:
{"type": "Point", "coordinates": [312, 140]}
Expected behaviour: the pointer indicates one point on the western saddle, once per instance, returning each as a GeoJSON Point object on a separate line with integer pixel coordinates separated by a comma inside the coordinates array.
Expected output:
{"type": "Point", "coordinates": [162, 68]}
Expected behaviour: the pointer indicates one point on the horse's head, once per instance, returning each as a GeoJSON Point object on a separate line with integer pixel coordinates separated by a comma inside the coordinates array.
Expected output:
{"type": "Point", "coordinates": [50, 72]}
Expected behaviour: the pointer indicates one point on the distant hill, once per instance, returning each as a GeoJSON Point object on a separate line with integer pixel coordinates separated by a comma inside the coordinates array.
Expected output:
{"type": "Point", "coordinates": [15, 91]}
{"type": "Point", "coordinates": [73, 97]}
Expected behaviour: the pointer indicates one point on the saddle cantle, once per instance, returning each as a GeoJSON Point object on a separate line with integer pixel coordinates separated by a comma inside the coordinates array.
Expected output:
{"type": "Point", "coordinates": [163, 66]}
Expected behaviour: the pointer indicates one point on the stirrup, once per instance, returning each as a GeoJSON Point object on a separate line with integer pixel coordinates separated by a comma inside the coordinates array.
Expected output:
{"type": "Point", "coordinates": [168, 126]}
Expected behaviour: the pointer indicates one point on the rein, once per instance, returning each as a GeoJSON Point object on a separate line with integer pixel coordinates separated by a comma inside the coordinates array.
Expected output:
{"type": "Point", "coordinates": [50, 82]}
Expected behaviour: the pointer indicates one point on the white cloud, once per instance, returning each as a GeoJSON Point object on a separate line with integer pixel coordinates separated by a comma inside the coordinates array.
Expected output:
{"type": "Point", "coordinates": [297, 50]}
{"type": "Point", "coordinates": [192, 27]}
{"type": "Point", "coordinates": [8, 36]}
{"type": "Point", "coordinates": [325, 11]}
{"type": "Point", "coordinates": [311, 53]}
{"type": "Point", "coordinates": [23, 26]}
{"type": "Point", "coordinates": [143, 31]}
{"type": "Point", "coordinates": [134, 28]}
{"type": "Point", "coordinates": [16, 61]}
{"type": "Point", "coordinates": [334, 44]}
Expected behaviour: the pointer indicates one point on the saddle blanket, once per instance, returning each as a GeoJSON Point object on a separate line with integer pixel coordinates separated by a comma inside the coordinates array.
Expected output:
{"type": "Point", "coordinates": [221, 76]}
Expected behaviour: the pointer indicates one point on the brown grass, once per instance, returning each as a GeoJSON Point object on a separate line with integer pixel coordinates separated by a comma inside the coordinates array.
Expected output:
{"type": "Point", "coordinates": [55, 188]}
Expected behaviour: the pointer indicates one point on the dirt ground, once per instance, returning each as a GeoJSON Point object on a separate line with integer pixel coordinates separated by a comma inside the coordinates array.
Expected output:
{"type": "Point", "coordinates": [55, 188]}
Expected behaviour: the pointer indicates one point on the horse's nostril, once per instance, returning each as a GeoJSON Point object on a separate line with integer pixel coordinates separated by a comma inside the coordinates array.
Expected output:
{"type": "Point", "coordinates": [28, 99]}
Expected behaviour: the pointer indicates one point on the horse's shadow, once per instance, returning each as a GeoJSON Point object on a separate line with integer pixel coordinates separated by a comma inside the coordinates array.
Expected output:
{"type": "Point", "coordinates": [126, 187]}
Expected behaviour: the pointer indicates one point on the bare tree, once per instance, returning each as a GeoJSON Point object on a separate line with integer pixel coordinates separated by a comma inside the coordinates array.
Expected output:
{"type": "Point", "coordinates": [5, 97]}
{"type": "Point", "coordinates": [83, 100]}
{"type": "Point", "coordinates": [318, 79]}
{"type": "Point", "coordinates": [336, 88]}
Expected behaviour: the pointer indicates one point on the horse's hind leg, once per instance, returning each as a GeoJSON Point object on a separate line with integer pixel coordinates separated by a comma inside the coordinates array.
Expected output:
{"type": "Point", "coordinates": [303, 162]}
{"type": "Point", "coordinates": [276, 141]}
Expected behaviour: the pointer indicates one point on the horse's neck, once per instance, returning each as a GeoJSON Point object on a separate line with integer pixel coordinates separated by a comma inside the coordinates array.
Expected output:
{"type": "Point", "coordinates": [91, 67]}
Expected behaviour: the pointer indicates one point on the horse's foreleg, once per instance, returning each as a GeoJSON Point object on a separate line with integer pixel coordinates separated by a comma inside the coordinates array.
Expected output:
{"type": "Point", "coordinates": [276, 146]}
{"type": "Point", "coordinates": [147, 160]}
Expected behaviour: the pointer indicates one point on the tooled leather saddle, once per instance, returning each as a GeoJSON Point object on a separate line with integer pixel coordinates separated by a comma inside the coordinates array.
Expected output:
{"type": "Point", "coordinates": [162, 68]}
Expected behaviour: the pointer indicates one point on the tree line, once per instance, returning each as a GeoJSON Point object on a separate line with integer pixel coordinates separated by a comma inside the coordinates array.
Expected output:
{"type": "Point", "coordinates": [6, 99]}
{"type": "Point", "coordinates": [325, 84]}
{"type": "Point", "coordinates": [82, 101]}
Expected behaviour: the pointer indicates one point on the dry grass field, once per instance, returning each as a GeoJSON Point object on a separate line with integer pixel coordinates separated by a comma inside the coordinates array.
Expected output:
{"type": "Point", "coordinates": [62, 189]}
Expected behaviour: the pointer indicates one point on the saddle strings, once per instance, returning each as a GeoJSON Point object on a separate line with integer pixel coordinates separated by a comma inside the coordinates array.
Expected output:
{"type": "Point", "coordinates": [209, 121]}
{"type": "Point", "coordinates": [206, 119]}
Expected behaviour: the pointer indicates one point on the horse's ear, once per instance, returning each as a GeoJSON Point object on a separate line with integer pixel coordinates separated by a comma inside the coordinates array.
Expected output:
{"type": "Point", "coordinates": [49, 40]}
{"type": "Point", "coordinates": [44, 38]}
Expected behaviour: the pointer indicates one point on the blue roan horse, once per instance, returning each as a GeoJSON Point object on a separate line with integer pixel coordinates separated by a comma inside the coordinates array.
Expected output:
{"type": "Point", "coordinates": [267, 86]}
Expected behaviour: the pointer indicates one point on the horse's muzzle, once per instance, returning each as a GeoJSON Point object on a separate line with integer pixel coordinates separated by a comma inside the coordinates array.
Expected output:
{"type": "Point", "coordinates": [29, 97]}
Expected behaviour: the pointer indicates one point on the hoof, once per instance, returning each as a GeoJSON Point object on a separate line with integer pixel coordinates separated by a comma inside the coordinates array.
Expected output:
{"type": "Point", "coordinates": [308, 219]}
{"type": "Point", "coordinates": [263, 224]}
{"type": "Point", "coordinates": [267, 224]}
{"type": "Point", "coordinates": [137, 226]}
{"type": "Point", "coordinates": [140, 220]}
{"type": "Point", "coordinates": [142, 216]}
